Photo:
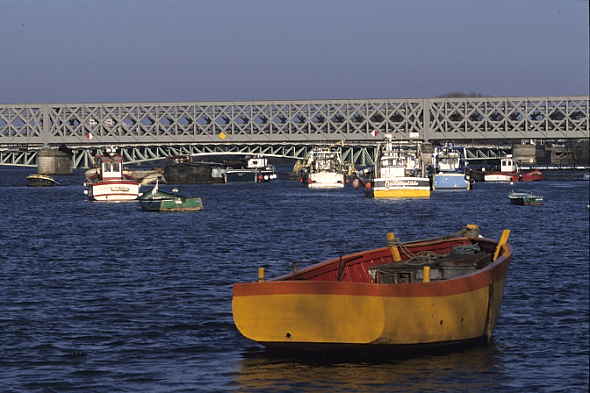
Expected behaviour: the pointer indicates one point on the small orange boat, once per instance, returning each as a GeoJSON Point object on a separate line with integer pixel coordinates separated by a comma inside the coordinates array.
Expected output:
{"type": "Point", "coordinates": [442, 291]}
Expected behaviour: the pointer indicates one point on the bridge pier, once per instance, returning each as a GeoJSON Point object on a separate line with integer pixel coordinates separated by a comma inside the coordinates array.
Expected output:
{"type": "Point", "coordinates": [51, 161]}
{"type": "Point", "coordinates": [530, 154]}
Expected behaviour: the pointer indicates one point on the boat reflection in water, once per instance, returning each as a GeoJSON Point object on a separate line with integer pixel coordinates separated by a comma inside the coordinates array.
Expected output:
{"type": "Point", "coordinates": [460, 370]}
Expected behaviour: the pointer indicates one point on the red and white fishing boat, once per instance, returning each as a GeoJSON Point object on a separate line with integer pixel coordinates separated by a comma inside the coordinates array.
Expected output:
{"type": "Point", "coordinates": [107, 182]}
{"type": "Point", "coordinates": [509, 172]}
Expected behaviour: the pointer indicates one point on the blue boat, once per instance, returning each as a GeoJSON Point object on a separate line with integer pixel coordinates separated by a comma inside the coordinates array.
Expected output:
{"type": "Point", "coordinates": [448, 170]}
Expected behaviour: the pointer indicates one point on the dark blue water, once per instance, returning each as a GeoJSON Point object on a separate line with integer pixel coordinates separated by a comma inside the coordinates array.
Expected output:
{"type": "Point", "coordinates": [103, 297]}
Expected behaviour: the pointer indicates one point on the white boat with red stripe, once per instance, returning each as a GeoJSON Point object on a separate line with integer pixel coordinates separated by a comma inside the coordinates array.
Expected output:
{"type": "Point", "coordinates": [107, 182]}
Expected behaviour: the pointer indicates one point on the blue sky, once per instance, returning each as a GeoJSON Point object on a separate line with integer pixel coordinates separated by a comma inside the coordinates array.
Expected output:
{"type": "Point", "coordinates": [74, 51]}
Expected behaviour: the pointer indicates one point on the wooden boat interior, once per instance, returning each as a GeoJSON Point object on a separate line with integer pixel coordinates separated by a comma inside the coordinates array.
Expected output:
{"type": "Point", "coordinates": [446, 259]}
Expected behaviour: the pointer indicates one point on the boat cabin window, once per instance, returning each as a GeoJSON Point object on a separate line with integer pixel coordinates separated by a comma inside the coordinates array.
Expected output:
{"type": "Point", "coordinates": [111, 166]}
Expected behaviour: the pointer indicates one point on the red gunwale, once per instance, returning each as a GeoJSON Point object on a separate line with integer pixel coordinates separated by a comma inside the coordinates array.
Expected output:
{"type": "Point", "coordinates": [297, 284]}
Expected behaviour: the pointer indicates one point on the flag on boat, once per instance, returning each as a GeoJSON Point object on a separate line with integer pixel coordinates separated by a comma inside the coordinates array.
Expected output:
{"type": "Point", "coordinates": [89, 136]}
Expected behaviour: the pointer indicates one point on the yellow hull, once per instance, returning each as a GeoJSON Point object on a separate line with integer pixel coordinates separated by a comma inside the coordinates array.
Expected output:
{"type": "Point", "coordinates": [401, 193]}
{"type": "Point", "coordinates": [326, 318]}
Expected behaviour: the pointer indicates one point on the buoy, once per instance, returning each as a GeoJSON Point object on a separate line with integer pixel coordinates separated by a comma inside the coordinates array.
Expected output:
{"type": "Point", "coordinates": [259, 177]}
{"type": "Point", "coordinates": [308, 181]}
{"type": "Point", "coordinates": [300, 180]}
{"type": "Point", "coordinates": [368, 185]}
{"type": "Point", "coordinates": [347, 181]}
{"type": "Point", "coordinates": [356, 183]}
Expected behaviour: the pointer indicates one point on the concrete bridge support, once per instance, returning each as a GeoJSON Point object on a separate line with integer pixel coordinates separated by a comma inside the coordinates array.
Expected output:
{"type": "Point", "coordinates": [530, 154]}
{"type": "Point", "coordinates": [52, 161]}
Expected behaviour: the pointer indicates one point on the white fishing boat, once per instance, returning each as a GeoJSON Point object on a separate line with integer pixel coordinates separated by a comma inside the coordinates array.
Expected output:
{"type": "Point", "coordinates": [398, 172]}
{"type": "Point", "coordinates": [448, 170]}
{"type": "Point", "coordinates": [324, 169]}
{"type": "Point", "coordinates": [107, 182]}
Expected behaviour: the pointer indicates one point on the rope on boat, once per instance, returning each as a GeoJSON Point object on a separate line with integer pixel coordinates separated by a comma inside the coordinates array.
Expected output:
{"type": "Point", "coordinates": [464, 232]}
{"type": "Point", "coordinates": [423, 258]}
{"type": "Point", "coordinates": [466, 249]}
{"type": "Point", "coordinates": [429, 257]}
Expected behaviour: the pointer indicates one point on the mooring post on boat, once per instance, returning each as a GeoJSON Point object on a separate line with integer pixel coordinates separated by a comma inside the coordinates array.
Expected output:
{"type": "Point", "coordinates": [294, 267]}
{"type": "Point", "coordinates": [260, 274]}
{"type": "Point", "coordinates": [502, 241]}
{"type": "Point", "coordinates": [394, 251]}
{"type": "Point", "coordinates": [426, 273]}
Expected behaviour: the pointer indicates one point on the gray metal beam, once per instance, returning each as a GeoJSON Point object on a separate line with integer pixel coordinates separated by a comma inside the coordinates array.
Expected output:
{"type": "Point", "coordinates": [318, 121]}
{"type": "Point", "coordinates": [357, 154]}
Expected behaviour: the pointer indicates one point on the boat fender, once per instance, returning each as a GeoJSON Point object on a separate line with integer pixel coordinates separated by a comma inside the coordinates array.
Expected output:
{"type": "Point", "coordinates": [300, 180]}
{"type": "Point", "coordinates": [467, 177]}
{"type": "Point", "coordinates": [309, 181]}
{"type": "Point", "coordinates": [356, 183]}
{"type": "Point", "coordinates": [368, 185]}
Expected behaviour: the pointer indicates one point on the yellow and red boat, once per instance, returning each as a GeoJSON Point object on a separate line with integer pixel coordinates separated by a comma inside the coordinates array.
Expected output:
{"type": "Point", "coordinates": [440, 291]}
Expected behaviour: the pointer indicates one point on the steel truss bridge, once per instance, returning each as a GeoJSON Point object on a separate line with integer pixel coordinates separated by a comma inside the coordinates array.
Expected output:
{"type": "Point", "coordinates": [151, 131]}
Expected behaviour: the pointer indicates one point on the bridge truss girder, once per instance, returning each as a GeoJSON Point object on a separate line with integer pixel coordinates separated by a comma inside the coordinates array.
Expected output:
{"type": "Point", "coordinates": [318, 121]}
{"type": "Point", "coordinates": [357, 154]}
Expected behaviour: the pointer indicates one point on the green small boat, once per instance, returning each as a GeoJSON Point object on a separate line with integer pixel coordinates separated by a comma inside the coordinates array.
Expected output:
{"type": "Point", "coordinates": [162, 201]}
{"type": "Point", "coordinates": [525, 198]}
